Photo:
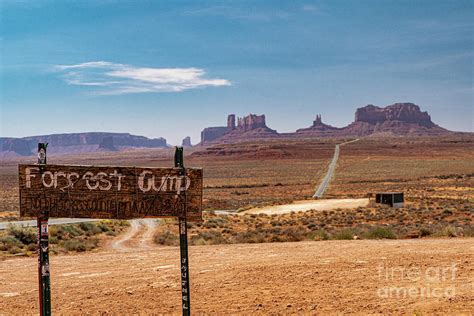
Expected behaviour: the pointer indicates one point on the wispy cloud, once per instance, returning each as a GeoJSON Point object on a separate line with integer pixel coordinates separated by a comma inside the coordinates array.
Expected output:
{"type": "Point", "coordinates": [239, 13]}
{"type": "Point", "coordinates": [114, 79]}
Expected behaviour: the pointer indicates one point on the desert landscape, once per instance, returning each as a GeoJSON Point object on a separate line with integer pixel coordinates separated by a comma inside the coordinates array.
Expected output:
{"type": "Point", "coordinates": [269, 245]}
{"type": "Point", "coordinates": [218, 157]}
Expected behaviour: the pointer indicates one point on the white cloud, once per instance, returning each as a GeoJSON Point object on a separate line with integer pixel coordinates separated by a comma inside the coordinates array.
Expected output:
{"type": "Point", "coordinates": [114, 79]}
{"type": "Point", "coordinates": [238, 13]}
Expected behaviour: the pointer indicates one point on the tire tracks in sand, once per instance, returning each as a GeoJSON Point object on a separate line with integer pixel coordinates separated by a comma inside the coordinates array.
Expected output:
{"type": "Point", "coordinates": [138, 237]}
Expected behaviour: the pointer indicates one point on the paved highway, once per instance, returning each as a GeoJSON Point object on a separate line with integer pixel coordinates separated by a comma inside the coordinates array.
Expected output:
{"type": "Point", "coordinates": [332, 167]}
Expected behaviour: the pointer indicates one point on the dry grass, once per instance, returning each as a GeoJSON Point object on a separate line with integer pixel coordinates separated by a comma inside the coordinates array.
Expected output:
{"type": "Point", "coordinates": [18, 240]}
{"type": "Point", "coordinates": [374, 222]}
{"type": "Point", "coordinates": [436, 174]}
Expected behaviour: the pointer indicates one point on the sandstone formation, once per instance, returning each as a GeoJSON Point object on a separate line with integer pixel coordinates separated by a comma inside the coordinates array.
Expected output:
{"type": "Point", "coordinates": [15, 145]}
{"type": "Point", "coordinates": [78, 142]}
{"type": "Point", "coordinates": [186, 143]}
{"type": "Point", "coordinates": [398, 119]}
{"type": "Point", "coordinates": [95, 138]}
{"type": "Point", "coordinates": [248, 127]}
{"type": "Point", "coordinates": [210, 134]}
{"type": "Point", "coordinates": [403, 112]}
{"type": "Point", "coordinates": [318, 128]}
{"type": "Point", "coordinates": [107, 143]}
{"type": "Point", "coordinates": [251, 122]}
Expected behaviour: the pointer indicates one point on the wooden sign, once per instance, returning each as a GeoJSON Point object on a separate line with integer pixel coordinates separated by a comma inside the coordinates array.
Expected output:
{"type": "Point", "coordinates": [110, 192]}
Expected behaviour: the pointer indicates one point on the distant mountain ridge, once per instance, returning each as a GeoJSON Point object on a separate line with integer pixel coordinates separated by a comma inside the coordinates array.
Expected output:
{"type": "Point", "coordinates": [78, 142]}
{"type": "Point", "coordinates": [399, 119]}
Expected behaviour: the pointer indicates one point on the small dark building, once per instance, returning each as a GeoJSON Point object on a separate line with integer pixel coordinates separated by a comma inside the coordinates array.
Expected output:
{"type": "Point", "coordinates": [394, 199]}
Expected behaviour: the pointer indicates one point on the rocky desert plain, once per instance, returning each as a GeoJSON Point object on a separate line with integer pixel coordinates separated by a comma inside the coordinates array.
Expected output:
{"type": "Point", "coordinates": [265, 245]}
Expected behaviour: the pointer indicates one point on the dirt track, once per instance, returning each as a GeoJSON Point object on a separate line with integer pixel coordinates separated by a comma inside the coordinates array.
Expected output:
{"type": "Point", "coordinates": [303, 277]}
{"type": "Point", "coordinates": [139, 236]}
{"type": "Point", "coordinates": [306, 205]}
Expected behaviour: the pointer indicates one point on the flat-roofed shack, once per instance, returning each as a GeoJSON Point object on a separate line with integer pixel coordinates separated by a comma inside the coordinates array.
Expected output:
{"type": "Point", "coordinates": [394, 199]}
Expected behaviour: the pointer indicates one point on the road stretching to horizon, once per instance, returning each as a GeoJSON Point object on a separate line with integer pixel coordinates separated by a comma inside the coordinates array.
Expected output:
{"type": "Point", "coordinates": [330, 173]}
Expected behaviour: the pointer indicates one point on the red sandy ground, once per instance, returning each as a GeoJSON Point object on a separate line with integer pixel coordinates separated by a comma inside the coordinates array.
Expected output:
{"type": "Point", "coordinates": [301, 277]}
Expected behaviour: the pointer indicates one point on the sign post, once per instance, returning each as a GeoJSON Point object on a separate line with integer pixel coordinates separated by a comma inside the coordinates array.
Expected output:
{"type": "Point", "coordinates": [102, 192]}
{"type": "Point", "coordinates": [43, 246]}
{"type": "Point", "coordinates": [183, 240]}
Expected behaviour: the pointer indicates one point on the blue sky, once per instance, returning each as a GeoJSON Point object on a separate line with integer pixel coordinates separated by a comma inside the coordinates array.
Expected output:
{"type": "Point", "coordinates": [170, 68]}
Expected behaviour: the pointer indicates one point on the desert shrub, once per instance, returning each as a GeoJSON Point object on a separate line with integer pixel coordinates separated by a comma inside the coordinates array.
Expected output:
{"type": "Point", "coordinates": [69, 230]}
{"type": "Point", "coordinates": [424, 232]}
{"type": "Point", "coordinates": [345, 234]}
{"type": "Point", "coordinates": [469, 231]}
{"type": "Point", "coordinates": [294, 234]}
{"type": "Point", "coordinates": [123, 223]}
{"type": "Point", "coordinates": [250, 236]}
{"type": "Point", "coordinates": [53, 231]}
{"type": "Point", "coordinates": [74, 245]}
{"type": "Point", "coordinates": [104, 227]}
{"type": "Point", "coordinates": [14, 250]}
{"type": "Point", "coordinates": [447, 212]}
{"type": "Point", "coordinates": [80, 245]}
{"type": "Point", "coordinates": [25, 235]}
{"type": "Point", "coordinates": [31, 247]}
{"type": "Point", "coordinates": [211, 237]}
{"type": "Point", "coordinates": [380, 233]}
{"type": "Point", "coordinates": [8, 242]}
{"type": "Point", "coordinates": [167, 238]}
{"type": "Point", "coordinates": [275, 223]}
{"type": "Point", "coordinates": [312, 225]}
{"type": "Point", "coordinates": [317, 235]}
{"type": "Point", "coordinates": [448, 231]}
{"type": "Point", "coordinates": [90, 228]}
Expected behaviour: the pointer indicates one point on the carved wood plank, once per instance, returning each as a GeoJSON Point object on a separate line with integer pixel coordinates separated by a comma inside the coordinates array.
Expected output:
{"type": "Point", "coordinates": [109, 192]}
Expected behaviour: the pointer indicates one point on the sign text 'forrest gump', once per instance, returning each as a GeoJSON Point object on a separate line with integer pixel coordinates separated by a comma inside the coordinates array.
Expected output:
{"type": "Point", "coordinates": [110, 192]}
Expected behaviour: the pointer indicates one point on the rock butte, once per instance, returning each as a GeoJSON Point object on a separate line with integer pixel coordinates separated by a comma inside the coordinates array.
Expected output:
{"type": "Point", "coordinates": [399, 119]}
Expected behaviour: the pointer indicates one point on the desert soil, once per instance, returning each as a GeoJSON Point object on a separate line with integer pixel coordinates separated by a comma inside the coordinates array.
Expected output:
{"type": "Point", "coordinates": [307, 205]}
{"type": "Point", "coordinates": [300, 277]}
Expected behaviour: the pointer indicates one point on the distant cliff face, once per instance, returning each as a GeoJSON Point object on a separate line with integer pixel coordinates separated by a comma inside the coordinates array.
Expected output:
{"type": "Point", "coordinates": [251, 122]}
{"type": "Point", "coordinates": [186, 142]}
{"type": "Point", "coordinates": [402, 112]}
{"type": "Point", "coordinates": [398, 119]}
{"type": "Point", "coordinates": [78, 142]}
{"type": "Point", "coordinates": [210, 134]}
{"type": "Point", "coordinates": [15, 145]}
{"type": "Point", "coordinates": [248, 127]}
{"type": "Point", "coordinates": [76, 139]}
{"type": "Point", "coordinates": [317, 127]}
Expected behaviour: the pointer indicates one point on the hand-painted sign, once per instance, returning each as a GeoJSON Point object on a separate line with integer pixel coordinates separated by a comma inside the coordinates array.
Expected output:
{"type": "Point", "coordinates": [110, 192]}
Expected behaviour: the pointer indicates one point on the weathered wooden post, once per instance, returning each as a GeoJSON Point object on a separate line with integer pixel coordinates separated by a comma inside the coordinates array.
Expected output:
{"type": "Point", "coordinates": [43, 246]}
{"type": "Point", "coordinates": [183, 238]}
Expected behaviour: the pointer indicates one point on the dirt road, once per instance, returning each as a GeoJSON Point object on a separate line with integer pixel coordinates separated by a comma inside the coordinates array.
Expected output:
{"type": "Point", "coordinates": [138, 236]}
{"type": "Point", "coordinates": [303, 277]}
{"type": "Point", "coordinates": [306, 205]}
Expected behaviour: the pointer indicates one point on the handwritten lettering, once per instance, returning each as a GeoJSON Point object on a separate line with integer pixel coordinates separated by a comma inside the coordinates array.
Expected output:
{"type": "Point", "coordinates": [147, 181]}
